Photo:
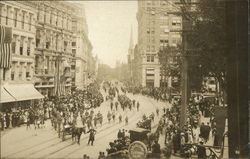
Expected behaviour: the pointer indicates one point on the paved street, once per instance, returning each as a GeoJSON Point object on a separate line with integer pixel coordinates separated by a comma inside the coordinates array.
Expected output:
{"type": "Point", "coordinates": [44, 143]}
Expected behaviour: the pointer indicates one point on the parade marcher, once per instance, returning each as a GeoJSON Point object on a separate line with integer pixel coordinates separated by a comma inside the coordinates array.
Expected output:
{"type": "Point", "coordinates": [157, 111]}
{"type": "Point", "coordinates": [133, 103]}
{"type": "Point", "coordinates": [116, 105]}
{"type": "Point", "coordinates": [111, 106]}
{"type": "Point", "coordinates": [120, 118]}
{"type": "Point", "coordinates": [138, 105]}
{"type": "Point", "coordinates": [109, 116]}
{"type": "Point", "coordinates": [95, 120]}
{"type": "Point", "coordinates": [113, 116]}
{"type": "Point", "coordinates": [126, 120]}
{"type": "Point", "coordinates": [92, 133]}
{"type": "Point", "coordinates": [101, 119]}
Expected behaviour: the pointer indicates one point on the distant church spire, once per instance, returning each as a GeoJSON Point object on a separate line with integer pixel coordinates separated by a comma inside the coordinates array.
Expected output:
{"type": "Point", "coordinates": [131, 43]}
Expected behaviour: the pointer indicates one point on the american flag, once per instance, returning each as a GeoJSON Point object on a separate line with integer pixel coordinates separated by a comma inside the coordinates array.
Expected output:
{"type": "Point", "coordinates": [59, 81]}
{"type": "Point", "coordinates": [5, 47]}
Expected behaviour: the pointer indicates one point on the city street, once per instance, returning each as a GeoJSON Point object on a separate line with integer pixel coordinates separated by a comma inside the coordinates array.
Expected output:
{"type": "Point", "coordinates": [44, 143]}
{"type": "Point", "coordinates": [128, 79]}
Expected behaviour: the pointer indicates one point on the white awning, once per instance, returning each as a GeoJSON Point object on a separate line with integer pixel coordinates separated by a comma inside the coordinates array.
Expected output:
{"type": "Point", "coordinates": [23, 91]}
{"type": "Point", "coordinates": [5, 97]}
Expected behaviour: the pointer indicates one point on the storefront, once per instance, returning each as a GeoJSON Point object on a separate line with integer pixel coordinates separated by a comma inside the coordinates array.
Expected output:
{"type": "Point", "coordinates": [15, 96]}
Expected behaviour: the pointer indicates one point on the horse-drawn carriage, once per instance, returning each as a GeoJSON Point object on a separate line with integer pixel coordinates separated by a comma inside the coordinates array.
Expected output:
{"type": "Point", "coordinates": [139, 134]}
{"type": "Point", "coordinates": [75, 132]}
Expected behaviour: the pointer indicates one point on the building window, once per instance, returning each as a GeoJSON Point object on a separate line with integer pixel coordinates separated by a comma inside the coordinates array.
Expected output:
{"type": "Point", "coordinates": [28, 47]}
{"type": "Point", "coordinates": [152, 30]}
{"type": "Point", "coordinates": [153, 48]}
{"type": "Point", "coordinates": [20, 75]}
{"type": "Point", "coordinates": [65, 45]}
{"type": "Point", "coordinates": [15, 17]}
{"type": "Point", "coordinates": [152, 58]}
{"type": "Point", "coordinates": [12, 75]}
{"type": "Point", "coordinates": [153, 40]}
{"type": "Point", "coordinates": [30, 20]}
{"type": "Point", "coordinates": [148, 31]}
{"type": "Point", "coordinates": [13, 47]}
{"type": "Point", "coordinates": [21, 46]}
{"type": "Point", "coordinates": [176, 23]}
{"type": "Point", "coordinates": [37, 42]}
{"type": "Point", "coordinates": [148, 58]}
{"type": "Point", "coordinates": [47, 45]}
{"type": "Point", "coordinates": [27, 74]}
{"type": "Point", "coordinates": [73, 43]}
{"type": "Point", "coordinates": [23, 20]}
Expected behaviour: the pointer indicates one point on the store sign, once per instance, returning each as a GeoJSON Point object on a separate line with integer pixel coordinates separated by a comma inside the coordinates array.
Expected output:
{"type": "Point", "coordinates": [137, 150]}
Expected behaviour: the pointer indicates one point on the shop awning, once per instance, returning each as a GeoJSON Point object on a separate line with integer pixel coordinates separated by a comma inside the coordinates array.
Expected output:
{"type": "Point", "coordinates": [23, 91]}
{"type": "Point", "coordinates": [5, 97]}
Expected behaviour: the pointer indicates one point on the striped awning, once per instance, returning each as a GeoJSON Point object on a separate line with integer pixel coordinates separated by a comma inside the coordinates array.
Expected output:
{"type": "Point", "coordinates": [23, 91]}
{"type": "Point", "coordinates": [5, 97]}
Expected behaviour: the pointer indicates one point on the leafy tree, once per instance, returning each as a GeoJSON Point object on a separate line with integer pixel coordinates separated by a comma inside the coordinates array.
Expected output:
{"type": "Point", "coordinates": [208, 37]}
{"type": "Point", "coordinates": [170, 61]}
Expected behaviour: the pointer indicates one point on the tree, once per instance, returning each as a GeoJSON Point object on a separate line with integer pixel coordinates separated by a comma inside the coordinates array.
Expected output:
{"type": "Point", "coordinates": [208, 37]}
{"type": "Point", "coordinates": [170, 61]}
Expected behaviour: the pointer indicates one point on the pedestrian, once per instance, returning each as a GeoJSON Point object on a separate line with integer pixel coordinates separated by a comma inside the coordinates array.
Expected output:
{"type": "Point", "coordinates": [119, 134]}
{"type": "Point", "coordinates": [101, 155]}
{"type": "Point", "coordinates": [156, 149]}
{"type": "Point", "coordinates": [92, 133]}
{"type": "Point", "coordinates": [2, 120]}
{"type": "Point", "coordinates": [201, 151]}
{"type": "Point", "coordinates": [207, 130]}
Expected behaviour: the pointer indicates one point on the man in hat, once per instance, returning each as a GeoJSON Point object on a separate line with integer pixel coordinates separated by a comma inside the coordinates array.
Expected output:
{"type": "Point", "coordinates": [92, 133]}
{"type": "Point", "coordinates": [156, 149]}
{"type": "Point", "coordinates": [201, 151]}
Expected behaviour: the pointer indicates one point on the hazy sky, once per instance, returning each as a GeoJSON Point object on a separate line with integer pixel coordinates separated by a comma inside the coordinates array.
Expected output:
{"type": "Point", "coordinates": [109, 24]}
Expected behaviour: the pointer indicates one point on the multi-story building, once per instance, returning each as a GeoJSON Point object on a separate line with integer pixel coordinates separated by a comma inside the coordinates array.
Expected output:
{"type": "Point", "coordinates": [81, 47]}
{"type": "Point", "coordinates": [54, 37]}
{"type": "Point", "coordinates": [159, 25]}
{"type": "Point", "coordinates": [49, 45]}
{"type": "Point", "coordinates": [20, 16]}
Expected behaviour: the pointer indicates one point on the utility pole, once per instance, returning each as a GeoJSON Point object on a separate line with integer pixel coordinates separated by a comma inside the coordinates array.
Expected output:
{"type": "Point", "coordinates": [185, 89]}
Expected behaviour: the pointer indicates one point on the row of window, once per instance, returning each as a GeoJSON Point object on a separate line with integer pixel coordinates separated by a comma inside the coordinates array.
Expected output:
{"type": "Point", "coordinates": [21, 48]}
{"type": "Point", "coordinates": [18, 74]}
{"type": "Point", "coordinates": [64, 21]}
{"type": "Point", "coordinates": [17, 17]}
{"type": "Point", "coordinates": [150, 58]}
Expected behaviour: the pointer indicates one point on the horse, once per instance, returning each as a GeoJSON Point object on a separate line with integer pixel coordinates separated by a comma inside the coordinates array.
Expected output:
{"type": "Point", "coordinates": [76, 133]}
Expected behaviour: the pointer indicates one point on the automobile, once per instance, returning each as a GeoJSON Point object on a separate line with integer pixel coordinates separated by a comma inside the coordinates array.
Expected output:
{"type": "Point", "coordinates": [139, 134]}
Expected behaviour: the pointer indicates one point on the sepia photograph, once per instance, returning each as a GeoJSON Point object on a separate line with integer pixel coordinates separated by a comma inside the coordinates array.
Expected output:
{"type": "Point", "coordinates": [124, 79]}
